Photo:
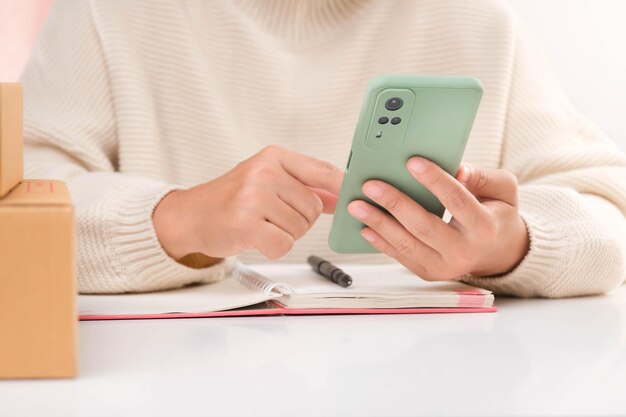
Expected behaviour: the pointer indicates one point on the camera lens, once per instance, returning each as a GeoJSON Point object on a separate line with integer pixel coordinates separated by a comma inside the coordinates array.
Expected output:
{"type": "Point", "coordinates": [394, 103]}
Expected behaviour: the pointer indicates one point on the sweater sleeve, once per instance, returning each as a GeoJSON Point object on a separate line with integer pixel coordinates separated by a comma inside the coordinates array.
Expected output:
{"type": "Point", "coordinates": [70, 134]}
{"type": "Point", "coordinates": [572, 190]}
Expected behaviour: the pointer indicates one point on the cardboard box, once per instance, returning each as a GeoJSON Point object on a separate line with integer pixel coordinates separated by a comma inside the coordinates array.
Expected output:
{"type": "Point", "coordinates": [38, 317]}
{"type": "Point", "coordinates": [11, 140]}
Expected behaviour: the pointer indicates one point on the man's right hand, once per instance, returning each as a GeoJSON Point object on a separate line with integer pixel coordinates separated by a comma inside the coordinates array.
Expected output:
{"type": "Point", "coordinates": [266, 203]}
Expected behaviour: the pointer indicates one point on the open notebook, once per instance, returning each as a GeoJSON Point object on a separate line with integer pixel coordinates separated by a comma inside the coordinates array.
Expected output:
{"type": "Point", "coordinates": [278, 289]}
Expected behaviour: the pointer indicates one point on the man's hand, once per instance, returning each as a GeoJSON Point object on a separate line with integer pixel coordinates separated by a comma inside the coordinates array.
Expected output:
{"type": "Point", "coordinates": [486, 235]}
{"type": "Point", "coordinates": [265, 203]}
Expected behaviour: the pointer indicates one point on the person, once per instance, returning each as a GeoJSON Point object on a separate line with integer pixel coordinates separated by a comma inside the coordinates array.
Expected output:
{"type": "Point", "coordinates": [190, 132]}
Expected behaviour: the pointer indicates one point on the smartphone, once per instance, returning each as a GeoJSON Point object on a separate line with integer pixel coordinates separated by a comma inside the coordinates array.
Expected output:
{"type": "Point", "coordinates": [404, 116]}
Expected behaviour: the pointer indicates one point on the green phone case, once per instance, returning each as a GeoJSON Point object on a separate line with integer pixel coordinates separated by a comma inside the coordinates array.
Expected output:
{"type": "Point", "coordinates": [436, 120]}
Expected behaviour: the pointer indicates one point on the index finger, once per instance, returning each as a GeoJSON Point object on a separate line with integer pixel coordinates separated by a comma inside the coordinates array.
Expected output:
{"type": "Point", "coordinates": [451, 193]}
{"type": "Point", "coordinates": [310, 171]}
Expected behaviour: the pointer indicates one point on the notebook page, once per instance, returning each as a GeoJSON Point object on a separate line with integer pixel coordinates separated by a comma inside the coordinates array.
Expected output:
{"type": "Point", "coordinates": [374, 286]}
{"type": "Point", "coordinates": [222, 295]}
{"type": "Point", "coordinates": [367, 279]}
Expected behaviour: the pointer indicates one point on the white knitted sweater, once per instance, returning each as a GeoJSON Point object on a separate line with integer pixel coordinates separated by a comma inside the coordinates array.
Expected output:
{"type": "Point", "coordinates": [128, 100]}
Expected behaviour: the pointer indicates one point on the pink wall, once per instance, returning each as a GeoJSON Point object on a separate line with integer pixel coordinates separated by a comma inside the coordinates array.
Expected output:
{"type": "Point", "coordinates": [20, 21]}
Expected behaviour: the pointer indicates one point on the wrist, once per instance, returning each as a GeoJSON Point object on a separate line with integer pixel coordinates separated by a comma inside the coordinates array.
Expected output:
{"type": "Point", "coordinates": [515, 252]}
{"type": "Point", "coordinates": [170, 225]}
{"type": "Point", "coordinates": [520, 245]}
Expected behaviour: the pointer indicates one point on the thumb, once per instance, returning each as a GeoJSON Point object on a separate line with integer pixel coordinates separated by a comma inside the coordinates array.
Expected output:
{"type": "Point", "coordinates": [329, 200]}
{"type": "Point", "coordinates": [495, 184]}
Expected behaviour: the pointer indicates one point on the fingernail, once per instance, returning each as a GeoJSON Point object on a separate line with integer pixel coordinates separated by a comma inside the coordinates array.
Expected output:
{"type": "Point", "coordinates": [373, 190]}
{"type": "Point", "coordinates": [357, 211]}
{"type": "Point", "coordinates": [466, 172]}
{"type": "Point", "coordinates": [417, 166]}
{"type": "Point", "coordinates": [367, 235]}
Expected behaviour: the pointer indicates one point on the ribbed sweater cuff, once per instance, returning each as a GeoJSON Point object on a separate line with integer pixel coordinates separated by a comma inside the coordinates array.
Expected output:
{"type": "Point", "coordinates": [536, 274]}
{"type": "Point", "coordinates": [140, 258]}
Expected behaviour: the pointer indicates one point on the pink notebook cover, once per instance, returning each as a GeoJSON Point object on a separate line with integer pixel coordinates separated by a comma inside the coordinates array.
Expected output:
{"type": "Point", "coordinates": [275, 309]}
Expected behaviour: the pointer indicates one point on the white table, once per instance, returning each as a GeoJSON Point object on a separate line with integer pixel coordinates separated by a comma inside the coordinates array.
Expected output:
{"type": "Point", "coordinates": [533, 357]}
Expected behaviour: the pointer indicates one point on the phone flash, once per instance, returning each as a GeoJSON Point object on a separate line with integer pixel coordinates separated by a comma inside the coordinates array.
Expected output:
{"type": "Point", "coordinates": [379, 133]}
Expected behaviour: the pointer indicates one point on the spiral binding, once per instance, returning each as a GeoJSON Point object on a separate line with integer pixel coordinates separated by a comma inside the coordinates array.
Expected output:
{"type": "Point", "coordinates": [253, 280]}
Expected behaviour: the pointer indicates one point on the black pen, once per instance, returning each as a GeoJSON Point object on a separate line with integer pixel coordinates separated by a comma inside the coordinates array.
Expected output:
{"type": "Point", "coordinates": [330, 271]}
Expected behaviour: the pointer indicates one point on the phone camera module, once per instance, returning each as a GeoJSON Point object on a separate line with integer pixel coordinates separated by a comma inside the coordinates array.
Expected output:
{"type": "Point", "coordinates": [394, 103]}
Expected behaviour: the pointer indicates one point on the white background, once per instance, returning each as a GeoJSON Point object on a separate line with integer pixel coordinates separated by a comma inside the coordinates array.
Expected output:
{"type": "Point", "coordinates": [586, 42]}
